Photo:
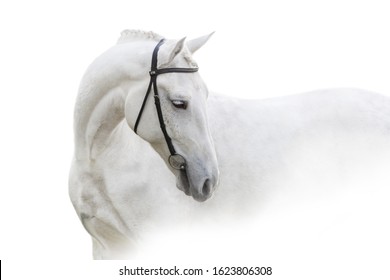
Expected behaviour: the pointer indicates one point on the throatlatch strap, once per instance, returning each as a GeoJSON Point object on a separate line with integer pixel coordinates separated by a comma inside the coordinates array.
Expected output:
{"type": "Point", "coordinates": [142, 107]}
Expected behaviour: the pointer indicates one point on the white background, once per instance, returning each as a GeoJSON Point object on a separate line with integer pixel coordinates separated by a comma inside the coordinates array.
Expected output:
{"type": "Point", "coordinates": [260, 49]}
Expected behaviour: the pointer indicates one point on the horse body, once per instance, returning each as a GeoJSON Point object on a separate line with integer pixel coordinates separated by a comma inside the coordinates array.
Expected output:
{"type": "Point", "coordinates": [124, 193]}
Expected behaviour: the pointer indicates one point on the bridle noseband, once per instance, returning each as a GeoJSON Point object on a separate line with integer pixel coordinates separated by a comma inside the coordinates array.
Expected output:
{"type": "Point", "coordinates": [176, 160]}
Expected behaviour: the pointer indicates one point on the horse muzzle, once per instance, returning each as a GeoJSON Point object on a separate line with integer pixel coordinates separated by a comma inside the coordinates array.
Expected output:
{"type": "Point", "coordinates": [200, 190]}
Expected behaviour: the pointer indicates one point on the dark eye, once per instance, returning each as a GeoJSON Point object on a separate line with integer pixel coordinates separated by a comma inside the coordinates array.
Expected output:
{"type": "Point", "coordinates": [180, 104]}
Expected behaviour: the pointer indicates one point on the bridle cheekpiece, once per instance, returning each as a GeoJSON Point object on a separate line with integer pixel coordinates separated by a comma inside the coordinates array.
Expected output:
{"type": "Point", "coordinates": [176, 160]}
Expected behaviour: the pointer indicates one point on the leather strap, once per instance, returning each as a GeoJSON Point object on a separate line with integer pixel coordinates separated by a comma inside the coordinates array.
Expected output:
{"type": "Point", "coordinates": [154, 72]}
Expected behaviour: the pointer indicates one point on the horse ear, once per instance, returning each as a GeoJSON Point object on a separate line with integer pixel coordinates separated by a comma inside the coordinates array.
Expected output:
{"type": "Point", "coordinates": [177, 49]}
{"type": "Point", "coordinates": [195, 44]}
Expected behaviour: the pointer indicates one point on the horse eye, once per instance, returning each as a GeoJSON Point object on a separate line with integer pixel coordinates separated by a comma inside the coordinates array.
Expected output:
{"type": "Point", "coordinates": [180, 104]}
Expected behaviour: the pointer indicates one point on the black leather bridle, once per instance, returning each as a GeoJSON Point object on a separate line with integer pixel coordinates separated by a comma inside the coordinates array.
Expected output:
{"type": "Point", "coordinates": [176, 160]}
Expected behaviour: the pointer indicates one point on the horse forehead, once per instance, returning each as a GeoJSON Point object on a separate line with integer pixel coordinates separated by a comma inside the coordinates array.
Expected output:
{"type": "Point", "coordinates": [182, 83]}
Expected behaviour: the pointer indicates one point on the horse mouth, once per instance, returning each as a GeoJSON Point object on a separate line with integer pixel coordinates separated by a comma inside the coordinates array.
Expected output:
{"type": "Point", "coordinates": [183, 183]}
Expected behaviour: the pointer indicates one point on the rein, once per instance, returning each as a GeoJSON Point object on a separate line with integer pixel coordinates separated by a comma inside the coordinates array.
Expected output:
{"type": "Point", "coordinates": [176, 160]}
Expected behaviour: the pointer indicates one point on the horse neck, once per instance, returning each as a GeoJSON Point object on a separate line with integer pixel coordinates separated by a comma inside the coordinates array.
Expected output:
{"type": "Point", "coordinates": [100, 103]}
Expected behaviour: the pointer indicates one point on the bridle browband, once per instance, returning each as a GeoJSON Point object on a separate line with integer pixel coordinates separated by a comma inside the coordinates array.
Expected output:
{"type": "Point", "coordinates": [176, 160]}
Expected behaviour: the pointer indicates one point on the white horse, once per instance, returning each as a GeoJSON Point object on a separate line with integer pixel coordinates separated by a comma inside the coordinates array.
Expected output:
{"type": "Point", "coordinates": [242, 157]}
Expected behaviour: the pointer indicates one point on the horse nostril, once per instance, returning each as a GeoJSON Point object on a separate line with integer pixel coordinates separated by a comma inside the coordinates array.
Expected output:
{"type": "Point", "coordinates": [206, 190]}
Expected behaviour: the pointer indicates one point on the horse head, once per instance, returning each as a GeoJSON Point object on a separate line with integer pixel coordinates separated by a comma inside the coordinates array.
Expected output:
{"type": "Point", "coordinates": [176, 125]}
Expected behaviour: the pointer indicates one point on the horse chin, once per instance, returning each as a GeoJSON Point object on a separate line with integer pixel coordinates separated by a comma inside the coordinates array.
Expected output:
{"type": "Point", "coordinates": [183, 183]}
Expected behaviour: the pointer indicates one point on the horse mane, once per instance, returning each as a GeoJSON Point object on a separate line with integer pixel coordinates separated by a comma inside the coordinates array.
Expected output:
{"type": "Point", "coordinates": [131, 35]}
